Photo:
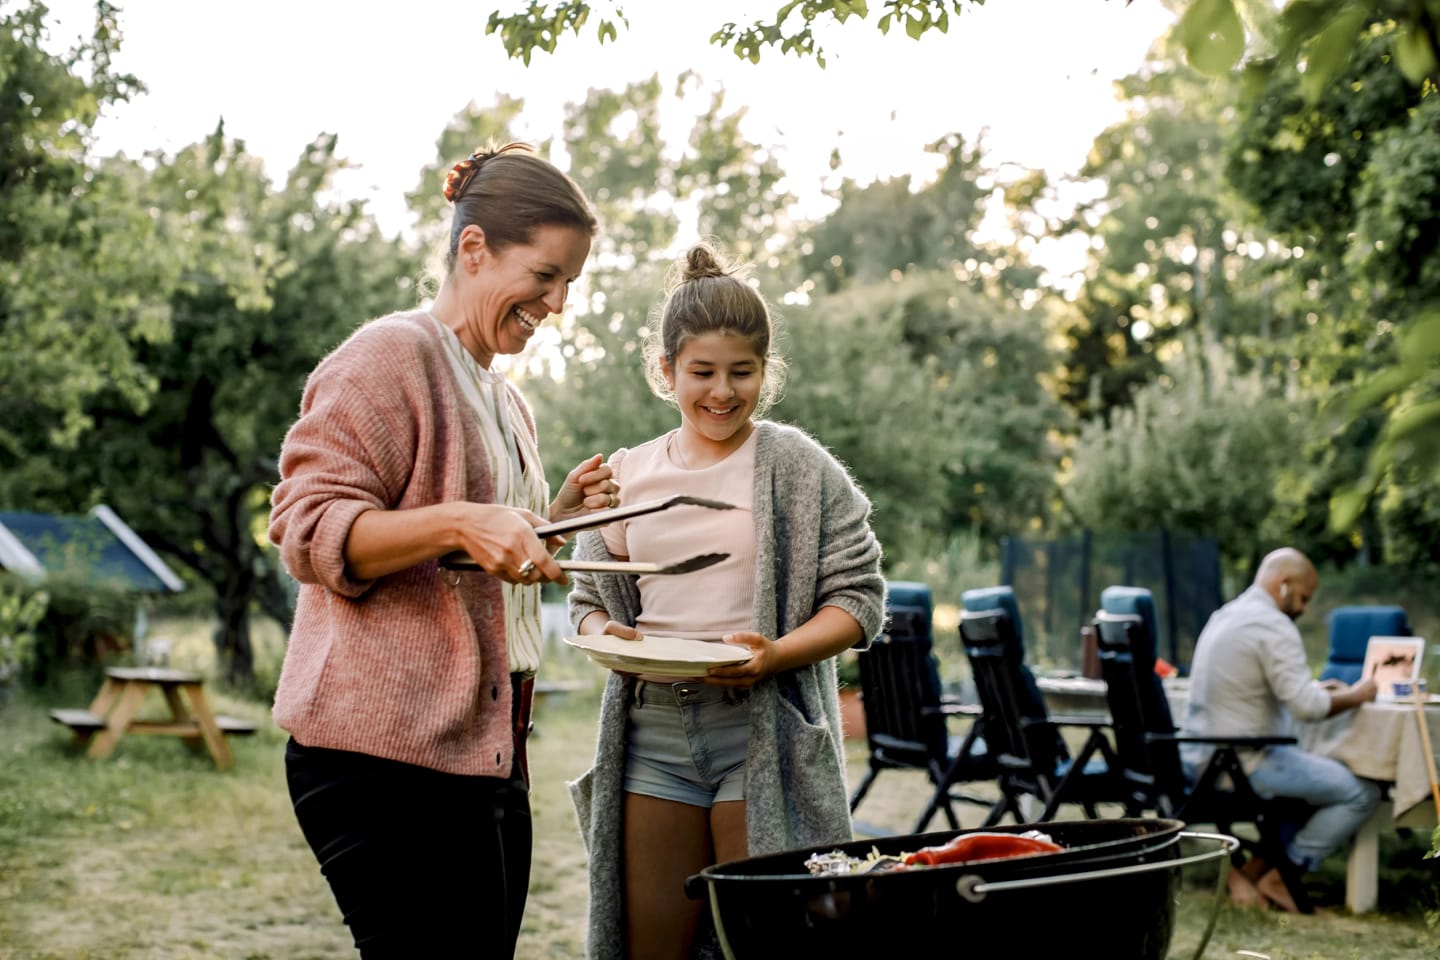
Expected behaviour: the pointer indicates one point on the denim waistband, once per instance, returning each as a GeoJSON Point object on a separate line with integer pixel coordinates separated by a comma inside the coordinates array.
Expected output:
{"type": "Point", "coordinates": [686, 692]}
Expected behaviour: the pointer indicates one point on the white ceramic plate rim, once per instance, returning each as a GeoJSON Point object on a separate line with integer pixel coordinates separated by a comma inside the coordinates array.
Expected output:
{"type": "Point", "coordinates": [658, 651]}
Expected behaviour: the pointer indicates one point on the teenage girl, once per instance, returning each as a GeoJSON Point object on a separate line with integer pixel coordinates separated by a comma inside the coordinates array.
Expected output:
{"type": "Point", "coordinates": [744, 759]}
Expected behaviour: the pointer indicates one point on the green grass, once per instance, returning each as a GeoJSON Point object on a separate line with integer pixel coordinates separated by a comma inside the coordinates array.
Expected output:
{"type": "Point", "coordinates": [154, 854]}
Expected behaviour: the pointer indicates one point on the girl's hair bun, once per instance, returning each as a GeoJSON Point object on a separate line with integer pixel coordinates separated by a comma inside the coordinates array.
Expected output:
{"type": "Point", "coordinates": [702, 261]}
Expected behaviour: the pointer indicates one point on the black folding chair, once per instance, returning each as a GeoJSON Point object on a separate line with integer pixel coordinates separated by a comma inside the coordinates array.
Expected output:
{"type": "Point", "coordinates": [906, 716]}
{"type": "Point", "coordinates": [1147, 744]}
{"type": "Point", "coordinates": [1025, 741]}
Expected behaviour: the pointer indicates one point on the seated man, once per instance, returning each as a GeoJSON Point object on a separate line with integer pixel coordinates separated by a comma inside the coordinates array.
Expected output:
{"type": "Point", "coordinates": [1248, 678]}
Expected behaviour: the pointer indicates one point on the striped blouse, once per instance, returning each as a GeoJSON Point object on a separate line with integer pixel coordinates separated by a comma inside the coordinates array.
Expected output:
{"type": "Point", "coordinates": [519, 482]}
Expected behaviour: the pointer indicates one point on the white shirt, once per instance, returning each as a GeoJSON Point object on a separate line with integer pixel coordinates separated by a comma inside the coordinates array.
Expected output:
{"type": "Point", "coordinates": [1249, 676]}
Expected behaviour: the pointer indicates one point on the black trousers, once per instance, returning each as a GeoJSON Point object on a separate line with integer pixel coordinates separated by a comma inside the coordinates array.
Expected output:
{"type": "Point", "coordinates": [422, 864]}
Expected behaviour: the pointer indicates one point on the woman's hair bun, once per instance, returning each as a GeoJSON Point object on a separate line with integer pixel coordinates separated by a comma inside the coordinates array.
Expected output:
{"type": "Point", "coordinates": [463, 172]}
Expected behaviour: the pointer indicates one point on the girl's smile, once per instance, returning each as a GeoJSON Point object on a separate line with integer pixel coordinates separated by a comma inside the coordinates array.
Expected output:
{"type": "Point", "coordinates": [716, 379]}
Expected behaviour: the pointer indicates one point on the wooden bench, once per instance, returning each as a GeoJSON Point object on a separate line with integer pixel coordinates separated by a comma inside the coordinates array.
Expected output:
{"type": "Point", "coordinates": [87, 723]}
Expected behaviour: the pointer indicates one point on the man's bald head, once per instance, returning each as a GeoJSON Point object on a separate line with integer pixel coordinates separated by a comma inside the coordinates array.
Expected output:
{"type": "Point", "coordinates": [1289, 577]}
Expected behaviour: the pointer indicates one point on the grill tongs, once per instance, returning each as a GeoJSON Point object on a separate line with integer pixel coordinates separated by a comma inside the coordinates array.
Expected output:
{"type": "Point", "coordinates": [590, 521]}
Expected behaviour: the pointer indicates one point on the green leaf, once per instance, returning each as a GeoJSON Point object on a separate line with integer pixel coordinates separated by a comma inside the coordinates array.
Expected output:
{"type": "Point", "coordinates": [914, 26]}
{"type": "Point", "coordinates": [1329, 53]}
{"type": "Point", "coordinates": [1255, 78]}
{"type": "Point", "coordinates": [1346, 507]}
{"type": "Point", "coordinates": [1300, 21]}
{"type": "Point", "coordinates": [1385, 384]}
{"type": "Point", "coordinates": [1421, 345]}
{"type": "Point", "coordinates": [1419, 419]}
{"type": "Point", "coordinates": [1414, 55]}
{"type": "Point", "coordinates": [1213, 36]}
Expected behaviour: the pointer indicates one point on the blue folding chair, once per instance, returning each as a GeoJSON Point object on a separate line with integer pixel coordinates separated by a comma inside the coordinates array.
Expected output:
{"type": "Point", "coordinates": [1020, 734]}
{"type": "Point", "coordinates": [1147, 744]}
{"type": "Point", "coordinates": [1351, 629]}
{"type": "Point", "coordinates": [906, 716]}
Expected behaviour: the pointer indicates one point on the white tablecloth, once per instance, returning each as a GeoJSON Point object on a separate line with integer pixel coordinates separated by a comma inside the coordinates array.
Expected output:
{"type": "Point", "coordinates": [1378, 740]}
{"type": "Point", "coordinates": [1382, 741]}
{"type": "Point", "coordinates": [1086, 696]}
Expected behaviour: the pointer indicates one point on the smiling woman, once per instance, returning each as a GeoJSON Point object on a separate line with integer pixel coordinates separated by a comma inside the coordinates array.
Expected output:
{"type": "Point", "coordinates": [406, 688]}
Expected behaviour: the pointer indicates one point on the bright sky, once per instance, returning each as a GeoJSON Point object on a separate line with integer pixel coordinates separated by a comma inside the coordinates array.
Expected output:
{"type": "Point", "coordinates": [1036, 73]}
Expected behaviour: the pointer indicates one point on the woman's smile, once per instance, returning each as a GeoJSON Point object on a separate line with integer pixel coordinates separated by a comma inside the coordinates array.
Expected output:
{"type": "Point", "coordinates": [527, 320]}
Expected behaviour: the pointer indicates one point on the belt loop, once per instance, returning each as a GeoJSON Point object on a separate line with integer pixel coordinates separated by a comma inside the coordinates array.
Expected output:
{"type": "Point", "coordinates": [637, 693]}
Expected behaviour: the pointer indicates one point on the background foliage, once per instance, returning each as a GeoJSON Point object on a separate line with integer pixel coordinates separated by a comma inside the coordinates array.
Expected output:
{"type": "Point", "coordinates": [1250, 351]}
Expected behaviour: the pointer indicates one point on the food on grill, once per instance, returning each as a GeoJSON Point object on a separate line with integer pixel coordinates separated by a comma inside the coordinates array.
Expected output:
{"type": "Point", "coordinates": [970, 847]}
{"type": "Point", "coordinates": [964, 848]}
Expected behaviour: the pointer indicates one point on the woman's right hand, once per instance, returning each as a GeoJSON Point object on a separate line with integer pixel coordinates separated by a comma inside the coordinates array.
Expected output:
{"type": "Point", "coordinates": [502, 541]}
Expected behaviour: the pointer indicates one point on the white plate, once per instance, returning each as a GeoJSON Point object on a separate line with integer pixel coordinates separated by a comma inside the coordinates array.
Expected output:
{"type": "Point", "coordinates": [663, 656]}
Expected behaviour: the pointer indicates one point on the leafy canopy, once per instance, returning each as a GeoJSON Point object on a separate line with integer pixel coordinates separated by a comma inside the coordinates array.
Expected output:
{"type": "Point", "coordinates": [792, 29]}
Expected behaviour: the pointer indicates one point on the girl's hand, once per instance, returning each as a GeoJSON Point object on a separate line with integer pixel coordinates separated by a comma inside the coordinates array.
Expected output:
{"type": "Point", "coordinates": [764, 660]}
{"type": "Point", "coordinates": [620, 630]}
{"type": "Point", "coordinates": [624, 633]}
{"type": "Point", "coordinates": [589, 487]}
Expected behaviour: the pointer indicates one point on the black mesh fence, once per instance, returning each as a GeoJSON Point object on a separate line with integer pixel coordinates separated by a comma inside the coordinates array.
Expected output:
{"type": "Point", "coordinates": [1058, 582]}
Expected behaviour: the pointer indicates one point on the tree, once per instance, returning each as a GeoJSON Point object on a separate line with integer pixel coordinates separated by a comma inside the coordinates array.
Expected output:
{"type": "Point", "coordinates": [935, 397]}
{"type": "Point", "coordinates": [890, 226]}
{"type": "Point", "coordinates": [585, 380]}
{"type": "Point", "coordinates": [273, 279]}
{"type": "Point", "coordinates": [252, 287]}
{"type": "Point", "coordinates": [1174, 250]}
{"type": "Point", "coordinates": [1351, 182]}
{"type": "Point", "coordinates": [72, 245]}
{"type": "Point", "coordinates": [1199, 451]}
{"type": "Point", "coordinates": [1318, 37]}
{"type": "Point", "coordinates": [1317, 33]}
{"type": "Point", "coordinates": [541, 25]}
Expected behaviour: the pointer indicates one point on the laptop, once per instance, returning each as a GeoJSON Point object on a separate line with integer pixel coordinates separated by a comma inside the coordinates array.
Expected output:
{"type": "Point", "coordinates": [1391, 660]}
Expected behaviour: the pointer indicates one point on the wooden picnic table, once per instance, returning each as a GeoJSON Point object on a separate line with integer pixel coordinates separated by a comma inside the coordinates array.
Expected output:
{"type": "Point", "coordinates": [112, 714]}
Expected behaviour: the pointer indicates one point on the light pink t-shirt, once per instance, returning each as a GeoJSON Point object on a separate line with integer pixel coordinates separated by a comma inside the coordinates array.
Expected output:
{"type": "Point", "coordinates": [708, 603]}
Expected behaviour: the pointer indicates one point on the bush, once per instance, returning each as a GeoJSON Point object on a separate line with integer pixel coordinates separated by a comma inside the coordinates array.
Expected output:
{"type": "Point", "coordinates": [22, 606]}
{"type": "Point", "coordinates": [83, 624]}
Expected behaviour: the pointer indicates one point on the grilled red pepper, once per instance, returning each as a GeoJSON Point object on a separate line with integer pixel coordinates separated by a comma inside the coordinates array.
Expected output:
{"type": "Point", "coordinates": [968, 847]}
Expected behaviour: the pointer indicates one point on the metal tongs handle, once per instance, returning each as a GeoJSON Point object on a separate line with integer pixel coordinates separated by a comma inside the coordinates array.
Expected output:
{"type": "Point", "coordinates": [590, 521]}
{"type": "Point", "coordinates": [458, 560]}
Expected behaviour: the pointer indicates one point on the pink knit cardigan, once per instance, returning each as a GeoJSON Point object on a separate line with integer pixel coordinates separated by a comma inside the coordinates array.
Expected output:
{"type": "Point", "coordinates": [406, 667]}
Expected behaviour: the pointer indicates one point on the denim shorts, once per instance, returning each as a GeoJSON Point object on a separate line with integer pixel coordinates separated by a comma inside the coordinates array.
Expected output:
{"type": "Point", "coordinates": [687, 742]}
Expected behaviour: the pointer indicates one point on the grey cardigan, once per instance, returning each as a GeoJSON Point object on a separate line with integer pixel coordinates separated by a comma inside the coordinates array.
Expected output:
{"type": "Point", "coordinates": [814, 548]}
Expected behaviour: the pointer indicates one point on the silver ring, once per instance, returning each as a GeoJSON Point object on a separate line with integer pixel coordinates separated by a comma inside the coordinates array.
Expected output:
{"type": "Point", "coordinates": [526, 568]}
